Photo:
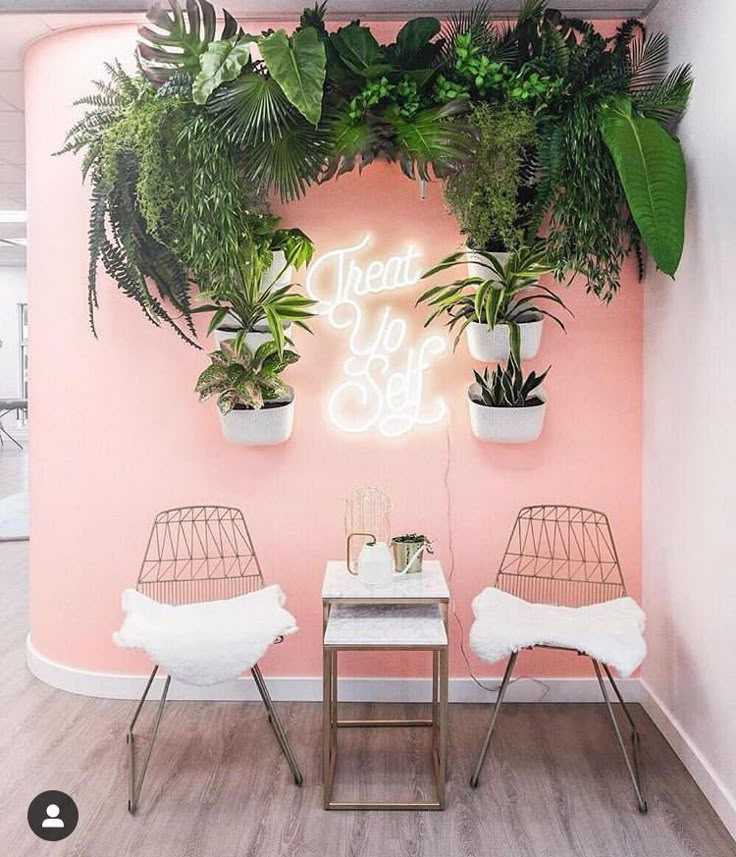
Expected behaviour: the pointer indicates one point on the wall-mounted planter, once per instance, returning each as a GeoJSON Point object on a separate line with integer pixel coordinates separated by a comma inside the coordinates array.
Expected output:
{"type": "Point", "coordinates": [266, 426]}
{"type": "Point", "coordinates": [493, 346]}
{"type": "Point", "coordinates": [505, 425]}
{"type": "Point", "coordinates": [253, 338]}
{"type": "Point", "coordinates": [478, 265]}
{"type": "Point", "coordinates": [271, 276]}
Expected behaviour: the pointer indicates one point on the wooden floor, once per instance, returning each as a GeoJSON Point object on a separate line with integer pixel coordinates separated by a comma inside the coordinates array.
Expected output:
{"type": "Point", "coordinates": [554, 784]}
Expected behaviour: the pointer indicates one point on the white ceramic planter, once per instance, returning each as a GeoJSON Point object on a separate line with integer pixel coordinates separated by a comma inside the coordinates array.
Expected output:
{"type": "Point", "coordinates": [271, 278]}
{"type": "Point", "coordinates": [262, 427]}
{"type": "Point", "coordinates": [253, 338]}
{"type": "Point", "coordinates": [493, 346]}
{"type": "Point", "coordinates": [476, 269]}
{"type": "Point", "coordinates": [505, 425]}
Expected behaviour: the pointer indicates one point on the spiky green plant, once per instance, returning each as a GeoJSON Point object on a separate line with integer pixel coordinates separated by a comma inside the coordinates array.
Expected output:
{"type": "Point", "coordinates": [508, 387]}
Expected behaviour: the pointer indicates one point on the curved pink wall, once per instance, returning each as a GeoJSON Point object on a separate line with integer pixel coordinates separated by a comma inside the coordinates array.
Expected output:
{"type": "Point", "coordinates": [117, 432]}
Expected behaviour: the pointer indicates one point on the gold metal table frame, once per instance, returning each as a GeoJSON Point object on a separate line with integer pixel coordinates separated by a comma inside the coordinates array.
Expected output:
{"type": "Point", "coordinates": [438, 722]}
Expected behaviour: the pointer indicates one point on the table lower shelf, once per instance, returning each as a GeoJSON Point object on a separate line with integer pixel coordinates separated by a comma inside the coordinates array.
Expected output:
{"type": "Point", "coordinates": [437, 723]}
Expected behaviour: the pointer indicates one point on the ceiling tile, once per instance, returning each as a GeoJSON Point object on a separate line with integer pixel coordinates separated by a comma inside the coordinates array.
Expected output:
{"type": "Point", "coordinates": [12, 127]}
{"type": "Point", "coordinates": [13, 153]}
{"type": "Point", "coordinates": [11, 88]}
{"type": "Point", "coordinates": [13, 174]}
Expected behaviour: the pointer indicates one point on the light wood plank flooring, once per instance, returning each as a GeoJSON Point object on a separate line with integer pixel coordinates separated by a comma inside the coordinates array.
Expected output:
{"type": "Point", "coordinates": [554, 785]}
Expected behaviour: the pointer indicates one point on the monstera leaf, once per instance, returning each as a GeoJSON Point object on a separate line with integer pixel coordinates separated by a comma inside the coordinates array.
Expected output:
{"type": "Point", "coordinates": [220, 63]}
{"type": "Point", "coordinates": [297, 64]}
{"type": "Point", "coordinates": [178, 36]}
{"type": "Point", "coordinates": [651, 167]}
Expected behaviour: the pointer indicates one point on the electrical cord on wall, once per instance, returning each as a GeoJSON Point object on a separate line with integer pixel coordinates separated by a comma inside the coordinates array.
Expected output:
{"type": "Point", "coordinates": [450, 548]}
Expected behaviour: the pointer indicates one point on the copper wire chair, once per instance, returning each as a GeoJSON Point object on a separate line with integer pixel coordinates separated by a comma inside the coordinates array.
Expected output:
{"type": "Point", "coordinates": [199, 553]}
{"type": "Point", "coordinates": [564, 555]}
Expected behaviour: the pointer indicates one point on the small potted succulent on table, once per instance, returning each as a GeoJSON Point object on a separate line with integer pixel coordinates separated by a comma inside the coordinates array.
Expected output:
{"type": "Point", "coordinates": [501, 310]}
{"type": "Point", "coordinates": [256, 407]}
{"type": "Point", "coordinates": [507, 406]}
{"type": "Point", "coordinates": [408, 550]}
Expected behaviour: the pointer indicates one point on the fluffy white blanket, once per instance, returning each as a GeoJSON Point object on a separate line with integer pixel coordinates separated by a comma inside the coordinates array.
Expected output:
{"type": "Point", "coordinates": [611, 632]}
{"type": "Point", "coordinates": [207, 642]}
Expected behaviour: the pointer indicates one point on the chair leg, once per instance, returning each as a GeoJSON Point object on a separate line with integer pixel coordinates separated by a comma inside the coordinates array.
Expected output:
{"type": "Point", "coordinates": [475, 779]}
{"type": "Point", "coordinates": [275, 722]}
{"type": "Point", "coordinates": [135, 787]}
{"type": "Point", "coordinates": [633, 768]}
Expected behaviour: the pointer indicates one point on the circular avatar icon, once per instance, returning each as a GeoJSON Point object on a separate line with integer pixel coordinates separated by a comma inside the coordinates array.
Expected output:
{"type": "Point", "coordinates": [52, 815]}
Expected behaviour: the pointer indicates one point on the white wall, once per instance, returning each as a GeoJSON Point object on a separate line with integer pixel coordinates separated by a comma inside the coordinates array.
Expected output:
{"type": "Point", "coordinates": [12, 292]}
{"type": "Point", "coordinates": [689, 573]}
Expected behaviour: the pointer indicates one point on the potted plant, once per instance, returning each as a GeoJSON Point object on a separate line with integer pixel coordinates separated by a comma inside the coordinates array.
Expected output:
{"type": "Point", "coordinates": [506, 406]}
{"type": "Point", "coordinates": [408, 550]}
{"type": "Point", "coordinates": [488, 197]}
{"type": "Point", "coordinates": [260, 303]}
{"type": "Point", "coordinates": [502, 309]}
{"type": "Point", "coordinates": [256, 407]}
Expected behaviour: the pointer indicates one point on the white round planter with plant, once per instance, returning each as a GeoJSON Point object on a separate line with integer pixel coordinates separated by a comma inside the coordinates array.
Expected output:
{"type": "Point", "coordinates": [261, 304]}
{"type": "Point", "coordinates": [256, 406]}
{"type": "Point", "coordinates": [502, 311]}
{"type": "Point", "coordinates": [477, 263]}
{"type": "Point", "coordinates": [505, 406]}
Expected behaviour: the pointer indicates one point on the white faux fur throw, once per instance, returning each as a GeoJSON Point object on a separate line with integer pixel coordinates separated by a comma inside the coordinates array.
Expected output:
{"type": "Point", "coordinates": [207, 642]}
{"type": "Point", "coordinates": [611, 632]}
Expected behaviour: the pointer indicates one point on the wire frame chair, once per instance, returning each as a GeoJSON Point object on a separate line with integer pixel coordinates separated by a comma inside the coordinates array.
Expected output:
{"type": "Point", "coordinates": [566, 556]}
{"type": "Point", "coordinates": [195, 554]}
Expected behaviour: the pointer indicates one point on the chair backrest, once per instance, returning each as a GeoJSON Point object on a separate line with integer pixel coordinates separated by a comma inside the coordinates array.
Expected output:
{"type": "Point", "coordinates": [562, 555]}
{"type": "Point", "coordinates": [199, 553]}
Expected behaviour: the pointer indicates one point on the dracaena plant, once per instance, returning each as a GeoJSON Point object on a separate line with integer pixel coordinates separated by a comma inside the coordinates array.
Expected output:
{"type": "Point", "coordinates": [250, 303]}
{"type": "Point", "coordinates": [241, 377]}
{"type": "Point", "coordinates": [509, 292]}
{"type": "Point", "coordinates": [508, 387]}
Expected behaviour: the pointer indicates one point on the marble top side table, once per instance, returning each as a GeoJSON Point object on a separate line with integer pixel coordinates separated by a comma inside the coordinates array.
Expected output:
{"type": "Point", "coordinates": [410, 613]}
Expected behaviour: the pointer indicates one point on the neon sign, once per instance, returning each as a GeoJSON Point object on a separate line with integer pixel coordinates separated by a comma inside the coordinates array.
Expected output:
{"type": "Point", "coordinates": [383, 385]}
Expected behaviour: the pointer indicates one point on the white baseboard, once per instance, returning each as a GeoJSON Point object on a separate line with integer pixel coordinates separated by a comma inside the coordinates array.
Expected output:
{"type": "Point", "coordinates": [715, 790]}
{"type": "Point", "coordinates": [309, 688]}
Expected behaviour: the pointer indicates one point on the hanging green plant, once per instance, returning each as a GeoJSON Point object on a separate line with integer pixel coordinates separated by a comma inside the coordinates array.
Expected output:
{"type": "Point", "coordinates": [543, 124]}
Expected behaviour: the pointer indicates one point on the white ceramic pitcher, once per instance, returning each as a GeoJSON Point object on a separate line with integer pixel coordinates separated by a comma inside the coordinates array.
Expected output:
{"type": "Point", "coordinates": [375, 565]}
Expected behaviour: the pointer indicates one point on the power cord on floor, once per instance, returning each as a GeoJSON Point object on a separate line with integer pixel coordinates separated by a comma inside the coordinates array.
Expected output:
{"type": "Point", "coordinates": [451, 551]}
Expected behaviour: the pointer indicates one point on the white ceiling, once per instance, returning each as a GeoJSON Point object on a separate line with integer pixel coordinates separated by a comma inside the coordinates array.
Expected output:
{"type": "Point", "coordinates": [25, 21]}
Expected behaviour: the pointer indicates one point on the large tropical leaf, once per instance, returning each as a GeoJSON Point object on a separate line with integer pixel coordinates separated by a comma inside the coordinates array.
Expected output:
{"type": "Point", "coordinates": [651, 167]}
{"type": "Point", "coordinates": [298, 65]}
{"type": "Point", "coordinates": [350, 145]}
{"type": "Point", "coordinates": [433, 137]}
{"type": "Point", "coordinates": [176, 37]}
{"type": "Point", "coordinates": [359, 50]}
{"type": "Point", "coordinates": [252, 109]}
{"type": "Point", "coordinates": [414, 47]}
{"type": "Point", "coordinates": [220, 63]}
{"type": "Point", "coordinates": [288, 163]}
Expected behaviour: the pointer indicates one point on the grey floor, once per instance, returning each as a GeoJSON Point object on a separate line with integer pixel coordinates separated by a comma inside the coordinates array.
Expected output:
{"type": "Point", "coordinates": [554, 784]}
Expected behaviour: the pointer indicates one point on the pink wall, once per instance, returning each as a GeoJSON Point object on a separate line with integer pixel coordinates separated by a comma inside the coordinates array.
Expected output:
{"type": "Point", "coordinates": [117, 432]}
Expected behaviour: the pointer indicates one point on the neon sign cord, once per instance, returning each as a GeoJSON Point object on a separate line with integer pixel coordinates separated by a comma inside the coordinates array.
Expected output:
{"type": "Point", "coordinates": [450, 548]}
